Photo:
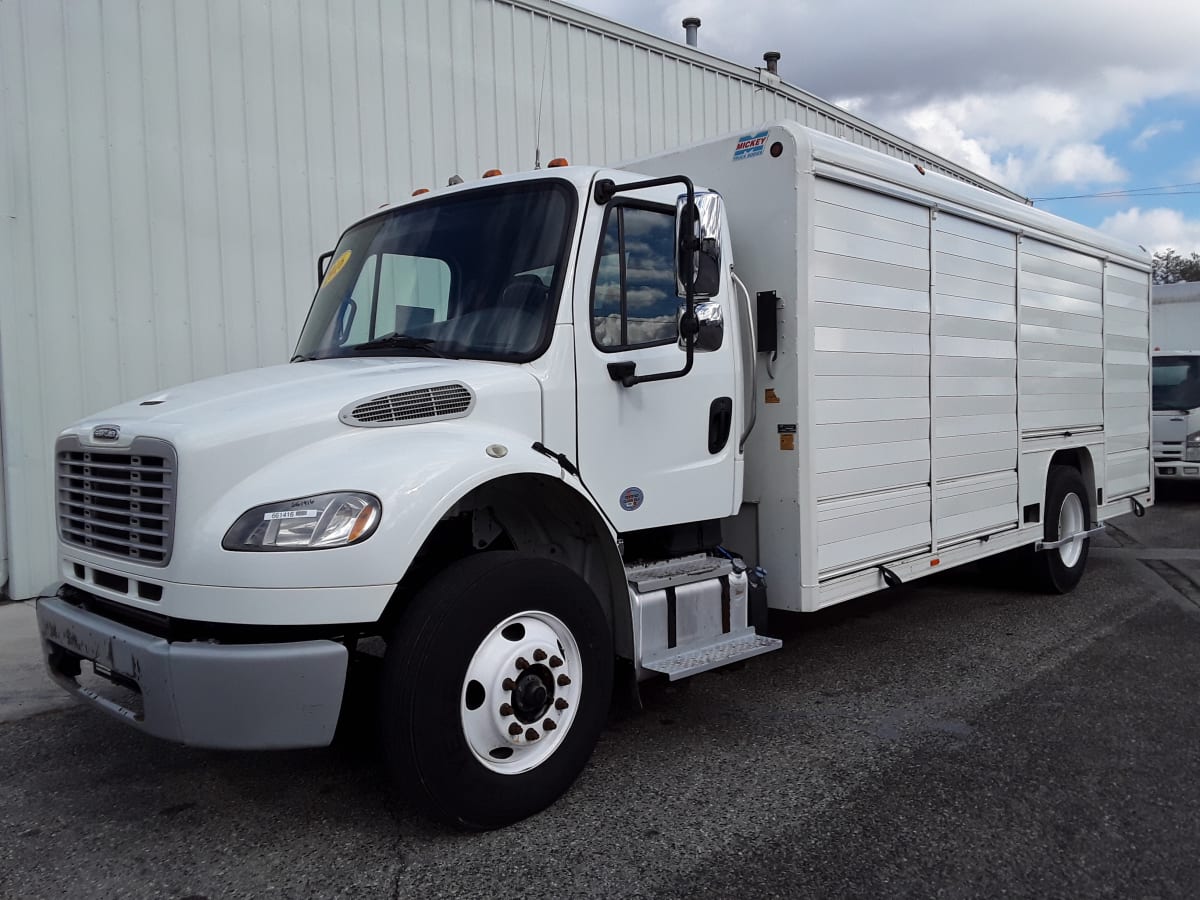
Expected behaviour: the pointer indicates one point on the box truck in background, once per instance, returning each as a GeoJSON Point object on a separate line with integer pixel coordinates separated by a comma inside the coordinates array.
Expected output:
{"type": "Point", "coordinates": [547, 427]}
{"type": "Point", "coordinates": [1176, 396]}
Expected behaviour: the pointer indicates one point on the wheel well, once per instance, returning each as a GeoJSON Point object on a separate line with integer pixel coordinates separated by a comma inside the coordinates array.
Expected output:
{"type": "Point", "coordinates": [1080, 459]}
{"type": "Point", "coordinates": [533, 514]}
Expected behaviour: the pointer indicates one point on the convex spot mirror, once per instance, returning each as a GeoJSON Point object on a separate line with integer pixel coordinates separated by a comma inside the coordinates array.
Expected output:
{"type": "Point", "coordinates": [711, 324]}
{"type": "Point", "coordinates": [698, 245]}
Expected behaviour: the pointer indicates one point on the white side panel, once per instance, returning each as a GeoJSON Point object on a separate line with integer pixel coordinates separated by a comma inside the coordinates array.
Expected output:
{"type": "Point", "coordinates": [1061, 322]}
{"type": "Point", "coordinates": [974, 378]}
{"type": "Point", "coordinates": [1128, 469]}
{"type": "Point", "coordinates": [870, 317]}
{"type": "Point", "coordinates": [977, 505]}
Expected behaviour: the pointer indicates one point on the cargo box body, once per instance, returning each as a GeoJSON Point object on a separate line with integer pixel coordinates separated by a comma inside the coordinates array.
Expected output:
{"type": "Point", "coordinates": [938, 345]}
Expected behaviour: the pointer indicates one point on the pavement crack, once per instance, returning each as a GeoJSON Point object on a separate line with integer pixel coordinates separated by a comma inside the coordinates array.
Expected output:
{"type": "Point", "coordinates": [1179, 580]}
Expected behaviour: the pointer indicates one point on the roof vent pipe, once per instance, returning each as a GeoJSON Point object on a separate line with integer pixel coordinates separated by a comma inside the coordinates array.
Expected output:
{"type": "Point", "coordinates": [772, 59]}
{"type": "Point", "coordinates": [692, 24]}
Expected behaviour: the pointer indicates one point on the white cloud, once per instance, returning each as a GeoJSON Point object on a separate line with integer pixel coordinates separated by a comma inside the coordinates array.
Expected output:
{"type": "Point", "coordinates": [1150, 132]}
{"type": "Point", "coordinates": [1155, 229]}
{"type": "Point", "coordinates": [1080, 164]}
{"type": "Point", "coordinates": [1022, 92]}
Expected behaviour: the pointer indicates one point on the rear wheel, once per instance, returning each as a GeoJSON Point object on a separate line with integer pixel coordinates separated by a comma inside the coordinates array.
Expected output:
{"type": "Point", "coordinates": [1059, 569]}
{"type": "Point", "coordinates": [496, 685]}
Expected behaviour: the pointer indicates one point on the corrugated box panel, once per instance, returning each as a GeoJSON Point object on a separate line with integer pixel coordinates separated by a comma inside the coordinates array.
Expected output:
{"type": "Point", "coordinates": [870, 320]}
{"type": "Point", "coordinates": [1126, 380]}
{"type": "Point", "coordinates": [974, 377]}
{"type": "Point", "coordinates": [171, 169]}
{"type": "Point", "coordinates": [1062, 319]}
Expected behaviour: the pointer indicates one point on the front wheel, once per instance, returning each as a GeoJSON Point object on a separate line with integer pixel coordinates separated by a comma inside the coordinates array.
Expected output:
{"type": "Point", "coordinates": [497, 681]}
{"type": "Point", "coordinates": [1059, 569]}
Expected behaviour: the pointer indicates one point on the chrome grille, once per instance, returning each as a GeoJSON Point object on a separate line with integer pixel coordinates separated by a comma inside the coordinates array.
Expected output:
{"type": "Point", "coordinates": [424, 404]}
{"type": "Point", "coordinates": [118, 502]}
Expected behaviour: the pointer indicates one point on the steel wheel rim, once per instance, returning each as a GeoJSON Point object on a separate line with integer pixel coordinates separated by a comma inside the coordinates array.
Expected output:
{"type": "Point", "coordinates": [1070, 522]}
{"type": "Point", "coordinates": [529, 663]}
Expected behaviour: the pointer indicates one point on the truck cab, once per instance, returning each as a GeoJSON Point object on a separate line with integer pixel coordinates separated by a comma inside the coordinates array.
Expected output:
{"type": "Point", "coordinates": [1176, 401]}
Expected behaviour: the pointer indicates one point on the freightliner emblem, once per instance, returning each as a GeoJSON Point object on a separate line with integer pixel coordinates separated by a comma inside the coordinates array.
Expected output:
{"type": "Point", "coordinates": [106, 432]}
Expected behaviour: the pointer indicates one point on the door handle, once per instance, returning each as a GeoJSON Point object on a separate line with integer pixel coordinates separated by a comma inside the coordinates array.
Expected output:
{"type": "Point", "coordinates": [720, 421]}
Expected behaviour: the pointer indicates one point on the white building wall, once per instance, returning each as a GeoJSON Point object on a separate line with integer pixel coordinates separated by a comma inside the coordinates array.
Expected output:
{"type": "Point", "coordinates": [169, 171]}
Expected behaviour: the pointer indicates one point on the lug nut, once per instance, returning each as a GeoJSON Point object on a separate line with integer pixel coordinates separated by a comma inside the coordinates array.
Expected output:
{"type": "Point", "coordinates": [531, 735]}
{"type": "Point", "coordinates": [563, 680]}
{"type": "Point", "coordinates": [555, 662]}
{"type": "Point", "coordinates": [539, 654]}
{"type": "Point", "coordinates": [522, 662]}
{"type": "Point", "coordinates": [549, 725]}
{"type": "Point", "coordinates": [560, 704]}
{"type": "Point", "coordinates": [505, 709]}
{"type": "Point", "coordinates": [514, 729]}
{"type": "Point", "coordinates": [508, 684]}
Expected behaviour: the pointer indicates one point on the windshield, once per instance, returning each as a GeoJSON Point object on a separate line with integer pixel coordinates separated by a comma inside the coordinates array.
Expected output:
{"type": "Point", "coordinates": [1176, 382]}
{"type": "Point", "coordinates": [475, 274]}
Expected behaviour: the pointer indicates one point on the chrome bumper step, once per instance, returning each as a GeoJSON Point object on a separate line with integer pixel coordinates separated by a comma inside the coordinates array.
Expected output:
{"type": "Point", "coordinates": [722, 652]}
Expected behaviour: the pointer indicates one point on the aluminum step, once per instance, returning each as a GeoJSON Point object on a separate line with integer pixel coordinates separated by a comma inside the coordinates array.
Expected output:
{"type": "Point", "coordinates": [722, 652]}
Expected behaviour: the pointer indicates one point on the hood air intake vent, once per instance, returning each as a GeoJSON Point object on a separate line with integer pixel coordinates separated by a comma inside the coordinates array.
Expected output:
{"type": "Point", "coordinates": [412, 407]}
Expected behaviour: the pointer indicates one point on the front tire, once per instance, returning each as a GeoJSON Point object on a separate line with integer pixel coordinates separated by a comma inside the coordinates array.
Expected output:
{"type": "Point", "coordinates": [1058, 570]}
{"type": "Point", "coordinates": [497, 681]}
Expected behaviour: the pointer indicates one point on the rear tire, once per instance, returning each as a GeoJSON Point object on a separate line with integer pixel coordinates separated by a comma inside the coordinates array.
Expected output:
{"type": "Point", "coordinates": [1058, 570]}
{"type": "Point", "coordinates": [499, 642]}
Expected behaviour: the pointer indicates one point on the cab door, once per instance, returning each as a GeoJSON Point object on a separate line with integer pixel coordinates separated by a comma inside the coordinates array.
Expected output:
{"type": "Point", "coordinates": [662, 452]}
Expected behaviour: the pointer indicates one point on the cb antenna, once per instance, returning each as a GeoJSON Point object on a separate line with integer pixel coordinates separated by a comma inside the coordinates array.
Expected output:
{"type": "Point", "coordinates": [537, 128]}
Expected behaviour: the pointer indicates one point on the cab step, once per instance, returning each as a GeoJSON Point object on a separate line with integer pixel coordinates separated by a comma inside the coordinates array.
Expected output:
{"type": "Point", "coordinates": [721, 652]}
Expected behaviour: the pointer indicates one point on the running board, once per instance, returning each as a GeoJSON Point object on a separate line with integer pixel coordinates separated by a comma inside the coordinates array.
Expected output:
{"type": "Point", "coordinates": [722, 652]}
{"type": "Point", "coordinates": [1054, 545]}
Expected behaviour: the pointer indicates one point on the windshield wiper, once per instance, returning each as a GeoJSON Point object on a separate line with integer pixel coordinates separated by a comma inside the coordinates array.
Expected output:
{"type": "Point", "coordinates": [401, 341]}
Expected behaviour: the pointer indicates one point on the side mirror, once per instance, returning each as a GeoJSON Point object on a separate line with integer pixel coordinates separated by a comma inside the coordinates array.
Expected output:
{"type": "Point", "coordinates": [698, 245]}
{"type": "Point", "coordinates": [711, 323]}
{"type": "Point", "coordinates": [323, 265]}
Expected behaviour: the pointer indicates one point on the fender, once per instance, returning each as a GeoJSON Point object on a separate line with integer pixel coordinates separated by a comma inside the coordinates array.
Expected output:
{"type": "Point", "coordinates": [417, 472]}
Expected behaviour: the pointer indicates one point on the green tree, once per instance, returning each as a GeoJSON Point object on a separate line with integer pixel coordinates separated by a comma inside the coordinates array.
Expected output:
{"type": "Point", "coordinates": [1170, 267]}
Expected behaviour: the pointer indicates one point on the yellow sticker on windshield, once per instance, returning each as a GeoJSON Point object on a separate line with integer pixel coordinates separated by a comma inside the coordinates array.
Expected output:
{"type": "Point", "coordinates": [336, 266]}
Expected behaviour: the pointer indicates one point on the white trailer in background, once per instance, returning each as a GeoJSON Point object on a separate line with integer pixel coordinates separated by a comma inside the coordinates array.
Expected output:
{"type": "Point", "coordinates": [506, 446]}
{"type": "Point", "coordinates": [1176, 398]}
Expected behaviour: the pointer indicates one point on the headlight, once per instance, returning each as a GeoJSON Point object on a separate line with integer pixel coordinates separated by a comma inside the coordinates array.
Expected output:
{"type": "Point", "coordinates": [307, 523]}
{"type": "Point", "coordinates": [1191, 450]}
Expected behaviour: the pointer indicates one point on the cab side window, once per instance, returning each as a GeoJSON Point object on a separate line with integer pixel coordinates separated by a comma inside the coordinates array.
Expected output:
{"type": "Point", "coordinates": [633, 295]}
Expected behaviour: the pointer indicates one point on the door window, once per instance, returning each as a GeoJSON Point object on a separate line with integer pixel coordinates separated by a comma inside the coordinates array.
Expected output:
{"type": "Point", "coordinates": [633, 296]}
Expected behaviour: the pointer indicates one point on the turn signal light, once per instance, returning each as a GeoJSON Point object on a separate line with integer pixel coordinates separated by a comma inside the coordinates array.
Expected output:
{"type": "Point", "coordinates": [492, 173]}
{"type": "Point", "coordinates": [557, 161]}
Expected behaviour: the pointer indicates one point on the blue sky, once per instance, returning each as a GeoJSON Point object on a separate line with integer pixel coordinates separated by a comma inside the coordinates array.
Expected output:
{"type": "Point", "coordinates": [1049, 97]}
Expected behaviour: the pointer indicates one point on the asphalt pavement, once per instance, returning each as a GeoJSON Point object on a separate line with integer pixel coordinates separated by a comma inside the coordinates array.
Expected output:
{"type": "Point", "coordinates": [958, 737]}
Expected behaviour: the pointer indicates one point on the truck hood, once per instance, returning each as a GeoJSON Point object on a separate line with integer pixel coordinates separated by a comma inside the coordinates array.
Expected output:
{"type": "Point", "coordinates": [275, 408]}
{"type": "Point", "coordinates": [280, 433]}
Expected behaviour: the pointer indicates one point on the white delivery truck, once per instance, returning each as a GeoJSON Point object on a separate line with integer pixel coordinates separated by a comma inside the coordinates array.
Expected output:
{"type": "Point", "coordinates": [507, 446]}
{"type": "Point", "coordinates": [1176, 395]}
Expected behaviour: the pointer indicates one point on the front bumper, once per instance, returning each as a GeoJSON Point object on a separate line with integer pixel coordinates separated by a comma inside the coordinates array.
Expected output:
{"type": "Point", "coordinates": [227, 696]}
{"type": "Point", "coordinates": [1177, 469]}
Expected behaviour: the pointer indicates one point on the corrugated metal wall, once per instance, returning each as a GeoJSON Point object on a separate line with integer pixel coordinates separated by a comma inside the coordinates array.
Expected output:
{"type": "Point", "coordinates": [169, 170]}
